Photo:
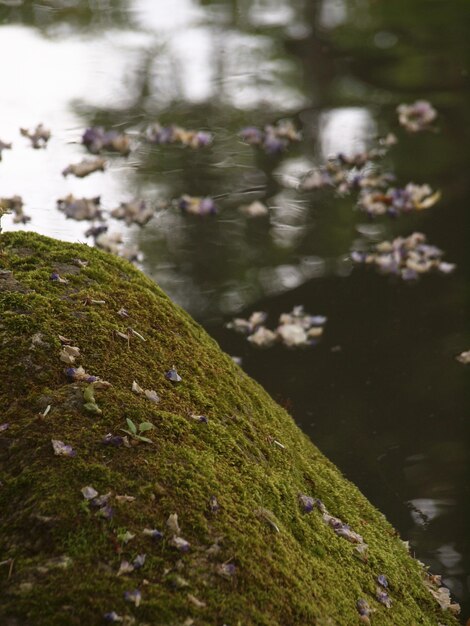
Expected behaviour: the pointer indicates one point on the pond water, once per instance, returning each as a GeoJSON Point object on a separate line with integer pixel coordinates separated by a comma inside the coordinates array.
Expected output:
{"type": "Point", "coordinates": [382, 394]}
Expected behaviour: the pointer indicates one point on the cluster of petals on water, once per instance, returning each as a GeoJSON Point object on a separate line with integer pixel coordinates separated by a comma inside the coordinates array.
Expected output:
{"type": "Point", "coordinates": [406, 257]}
{"type": "Point", "coordinates": [173, 134]}
{"type": "Point", "coordinates": [295, 329]}
{"type": "Point", "coordinates": [416, 117]}
{"type": "Point", "coordinates": [273, 138]}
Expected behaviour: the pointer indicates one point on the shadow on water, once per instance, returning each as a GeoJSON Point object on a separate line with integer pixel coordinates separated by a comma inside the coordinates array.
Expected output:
{"type": "Point", "coordinates": [382, 395]}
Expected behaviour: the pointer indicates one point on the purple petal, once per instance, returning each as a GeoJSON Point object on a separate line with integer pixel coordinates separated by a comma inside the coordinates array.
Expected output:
{"type": "Point", "coordinates": [358, 257]}
{"type": "Point", "coordinates": [213, 504]}
{"type": "Point", "coordinates": [273, 145]}
{"type": "Point", "coordinates": [112, 440]}
{"type": "Point", "coordinates": [139, 561]}
{"type": "Point", "coordinates": [153, 532]}
{"type": "Point", "coordinates": [4, 427]}
{"type": "Point", "coordinates": [61, 449]}
{"type": "Point", "coordinates": [227, 570]}
{"type": "Point", "coordinates": [112, 617]}
{"type": "Point", "coordinates": [252, 135]}
{"type": "Point", "coordinates": [363, 607]}
{"type": "Point", "coordinates": [133, 596]}
{"type": "Point", "coordinates": [203, 138]}
{"type": "Point", "coordinates": [345, 532]}
{"type": "Point", "coordinates": [207, 206]}
{"type": "Point", "coordinates": [106, 512]}
{"type": "Point", "coordinates": [317, 320]}
{"type": "Point", "coordinates": [173, 375]}
{"type": "Point", "coordinates": [384, 598]}
{"type": "Point", "coordinates": [200, 418]}
{"type": "Point", "coordinates": [306, 503]}
{"type": "Point", "coordinates": [101, 500]}
{"type": "Point", "coordinates": [382, 580]}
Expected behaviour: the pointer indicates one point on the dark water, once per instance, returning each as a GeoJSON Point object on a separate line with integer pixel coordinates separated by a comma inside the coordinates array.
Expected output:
{"type": "Point", "coordinates": [382, 395]}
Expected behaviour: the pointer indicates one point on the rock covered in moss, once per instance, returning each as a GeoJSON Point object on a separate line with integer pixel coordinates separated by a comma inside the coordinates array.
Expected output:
{"type": "Point", "coordinates": [68, 523]}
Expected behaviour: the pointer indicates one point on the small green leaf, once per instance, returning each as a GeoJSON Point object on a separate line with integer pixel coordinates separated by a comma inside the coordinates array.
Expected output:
{"type": "Point", "coordinates": [88, 394]}
{"type": "Point", "coordinates": [125, 536]}
{"type": "Point", "coordinates": [91, 407]}
{"type": "Point", "coordinates": [144, 426]}
{"type": "Point", "coordinates": [85, 506]}
{"type": "Point", "coordinates": [144, 439]}
{"type": "Point", "coordinates": [132, 426]}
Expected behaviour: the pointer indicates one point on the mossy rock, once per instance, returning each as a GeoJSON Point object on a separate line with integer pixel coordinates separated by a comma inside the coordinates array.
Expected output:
{"type": "Point", "coordinates": [258, 559]}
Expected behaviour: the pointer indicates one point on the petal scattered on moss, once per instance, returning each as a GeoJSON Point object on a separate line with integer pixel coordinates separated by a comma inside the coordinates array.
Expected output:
{"type": "Point", "coordinates": [62, 449]}
{"type": "Point", "coordinates": [134, 596]}
{"type": "Point", "coordinates": [306, 503]}
{"type": "Point", "coordinates": [173, 375]}
{"type": "Point", "coordinates": [89, 493]}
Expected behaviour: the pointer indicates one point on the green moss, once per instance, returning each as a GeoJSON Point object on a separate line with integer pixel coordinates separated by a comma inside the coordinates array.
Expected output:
{"type": "Point", "coordinates": [303, 574]}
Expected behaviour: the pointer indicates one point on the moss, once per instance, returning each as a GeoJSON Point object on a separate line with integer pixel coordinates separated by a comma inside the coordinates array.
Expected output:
{"type": "Point", "coordinates": [303, 574]}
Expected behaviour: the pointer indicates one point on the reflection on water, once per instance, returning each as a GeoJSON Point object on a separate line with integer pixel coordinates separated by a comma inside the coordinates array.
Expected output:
{"type": "Point", "coordinates": [382, 394]}
{"type": "Point", "coordinates": [346, 130]}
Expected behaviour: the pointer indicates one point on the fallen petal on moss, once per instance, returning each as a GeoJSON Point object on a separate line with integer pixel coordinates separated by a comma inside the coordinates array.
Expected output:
{"type": "Point", "coordinates": [125, 537]}
{"type": "Point", "coordinates": [57, 278]}
{"type": "Point", "coordinates": [139, 561]}
{"type": "Point", "coordinates": [383, 597]}
{"type": "Point", "coordinates": [200, 418]}
{"type": "Point", "coordinates": [112, 617]}
{"type": "Point", "coordinates": [62, 449]}
{"type": "Point", "coordinates": [213, 504]}
{"type": "Point", "coordinates": [113, 440]}
{"type": "Point", "coordinates": [172, 524]}
{"type": "Point", "coordinates": [173, 375]}
{"type": "Point", "coordinates": [68, 354]}
{"type": "Point", "coordinates": [382, 580]}
{"type": "Point", "coordinates": [133, 596]}
{"type": "Point", "coordinates": [197, 603]}
{"type": "Point", "coordinates": [226, 570]}
{"type": "Point", "coordinates": [152, 395]}
{"type": "Point", "coordinates": [125, 568]}
{"type": "Point", "coordinates": [180, 544]}
{"type": "Point", "coordinates": [124, 498]}
{"type": "Point", "coordinates": [89, 493]}
{"type": "Point", "coordinates": [306, 503]}
{"type": "Point", "coordinates": [153, 533]}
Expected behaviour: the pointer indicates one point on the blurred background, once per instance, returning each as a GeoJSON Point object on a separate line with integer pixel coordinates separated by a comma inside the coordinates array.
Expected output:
{"type": "Point", "coordinates": [382, 395]}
